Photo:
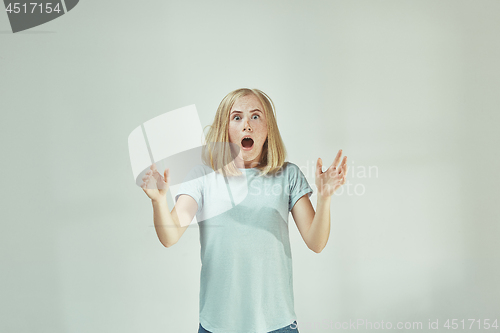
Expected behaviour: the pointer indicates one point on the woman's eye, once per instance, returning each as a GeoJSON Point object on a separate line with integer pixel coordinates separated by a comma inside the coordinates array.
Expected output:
{"type": "Point", "coordinates": [255, 116]}
{"type": "Point", "coordinates": [236, 117]}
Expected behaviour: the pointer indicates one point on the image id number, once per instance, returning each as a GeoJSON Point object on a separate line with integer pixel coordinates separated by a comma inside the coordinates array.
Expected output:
{"type": "Point", "coordinates": [473, 323]}
{"type": "Point", "coordinates": [32, 8]}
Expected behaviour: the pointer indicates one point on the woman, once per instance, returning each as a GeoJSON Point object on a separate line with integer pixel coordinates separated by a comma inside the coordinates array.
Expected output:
{"type": "Point", "coordinates": [246, 281]}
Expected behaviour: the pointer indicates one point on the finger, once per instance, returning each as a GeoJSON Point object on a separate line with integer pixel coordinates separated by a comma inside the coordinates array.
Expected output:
{"type": "Point", "coordinates": [148, 175]}
{"type": "Point", "coordinates": [152, 183]}
{"type": "Point", "coordinates": [337, 159]}
{"type": "Point", "coordinates": [153, 166]}
{"type": "Point", "coordinates": [342, 164]}
{"type": "Point", "coordinates": [167, 176]}
{"type": "Point", "coordinates": [157, 176]}
{"type": "Point", "coordinates": [319, 167]}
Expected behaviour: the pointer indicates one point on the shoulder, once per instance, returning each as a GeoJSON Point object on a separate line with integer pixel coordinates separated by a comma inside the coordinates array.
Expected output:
{"type": "Point", "coordinates": [290, 165]}
{"type": "Point", "coordinates": [289, 171]}
{"type": "Point", "coordinates": [291, 168]}
{"type": "Point", "coordinates": [196, 172]}
{"type": "Point", "coordinates": [200, 169]}
{"type": "Point", "coordinates": [295, 175]}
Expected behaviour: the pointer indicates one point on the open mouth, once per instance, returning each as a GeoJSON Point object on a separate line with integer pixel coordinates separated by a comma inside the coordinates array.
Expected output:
{"type": "Point", "coordinates": [247, 143]}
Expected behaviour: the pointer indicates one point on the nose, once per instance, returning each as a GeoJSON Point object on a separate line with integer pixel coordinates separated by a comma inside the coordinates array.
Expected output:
{"type": "Point", "coordinates": [246, 126]}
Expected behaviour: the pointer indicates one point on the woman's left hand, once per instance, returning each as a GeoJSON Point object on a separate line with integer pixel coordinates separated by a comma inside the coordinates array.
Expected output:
{"type": "Point", "coordinates": [329, 181]}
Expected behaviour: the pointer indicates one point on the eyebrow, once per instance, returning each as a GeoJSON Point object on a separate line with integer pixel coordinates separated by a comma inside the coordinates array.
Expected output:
{"type": "Point", "coordinates": [237, 111]}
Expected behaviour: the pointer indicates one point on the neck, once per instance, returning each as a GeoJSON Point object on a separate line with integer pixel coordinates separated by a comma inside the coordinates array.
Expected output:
{"type": "Point", "coordinates": [242, 164]}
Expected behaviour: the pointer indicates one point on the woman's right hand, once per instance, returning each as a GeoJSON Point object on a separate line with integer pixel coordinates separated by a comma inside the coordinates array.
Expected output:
{"type": "Point", "coordinates": [154, 185]}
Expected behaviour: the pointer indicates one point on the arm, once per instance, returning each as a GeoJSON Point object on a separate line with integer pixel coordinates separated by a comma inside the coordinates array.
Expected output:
{"type": "Point", "coordinates": [170, 226]}
{"type": "Point", "coordinates": [314, 227]}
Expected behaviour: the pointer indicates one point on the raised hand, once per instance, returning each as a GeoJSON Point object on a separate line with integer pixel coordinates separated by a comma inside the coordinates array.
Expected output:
{"type": "Point", "coordinates": [329, 181]}
{"type": "Point", "coordinates": [154, 185]}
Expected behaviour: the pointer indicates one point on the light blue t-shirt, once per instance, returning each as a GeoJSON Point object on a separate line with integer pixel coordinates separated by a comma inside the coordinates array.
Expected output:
{"type": "Point", "coordinates": [246, 280]}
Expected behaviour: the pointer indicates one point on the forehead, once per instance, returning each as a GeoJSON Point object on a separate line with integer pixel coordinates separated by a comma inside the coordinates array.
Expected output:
{"type": "Point", "coordinates": [247, 103]}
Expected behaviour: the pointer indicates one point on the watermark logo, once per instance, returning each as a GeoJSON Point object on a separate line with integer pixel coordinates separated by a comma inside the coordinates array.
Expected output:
{"type": "Point", "coordinates": [25, 15]}
{"type": "Point", "coordinates": [355, 174]}
{"type": "Point", "coordinates": [175, 141]}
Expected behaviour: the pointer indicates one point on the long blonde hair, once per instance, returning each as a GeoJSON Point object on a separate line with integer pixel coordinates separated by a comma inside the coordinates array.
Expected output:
{"type": "Point", "coordinates": [217, 153]}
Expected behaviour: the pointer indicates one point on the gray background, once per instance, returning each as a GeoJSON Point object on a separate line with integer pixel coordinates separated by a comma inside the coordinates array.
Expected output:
{"type": "Point", "coordinates": [407, 87]}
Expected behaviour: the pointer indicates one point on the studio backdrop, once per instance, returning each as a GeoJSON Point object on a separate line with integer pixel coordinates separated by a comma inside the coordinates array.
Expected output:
{"type": "Point", "coordinates": [407, 89]}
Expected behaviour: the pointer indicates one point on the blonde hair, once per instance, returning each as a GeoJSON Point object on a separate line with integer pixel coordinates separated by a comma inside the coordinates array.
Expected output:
{"type": "Point", "coordinates": [217, 153]}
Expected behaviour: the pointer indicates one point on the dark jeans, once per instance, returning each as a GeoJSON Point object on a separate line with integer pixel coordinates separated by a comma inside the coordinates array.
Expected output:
{"type": "Point", "coordinates": [292, 328]}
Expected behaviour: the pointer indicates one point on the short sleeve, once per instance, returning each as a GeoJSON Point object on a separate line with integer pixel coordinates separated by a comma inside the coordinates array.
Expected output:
{"type": "Point", "coordinates": [298, 185]}
{"type": "Point", "coordinates": [192, 185]}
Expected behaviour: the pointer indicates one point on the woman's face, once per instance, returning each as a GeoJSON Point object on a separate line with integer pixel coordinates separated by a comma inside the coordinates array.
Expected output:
{"type": "Point", "coordinates": [247, 120]}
